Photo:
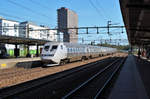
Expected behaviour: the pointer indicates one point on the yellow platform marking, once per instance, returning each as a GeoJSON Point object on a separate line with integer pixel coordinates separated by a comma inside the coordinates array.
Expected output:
{"type": "Point", "coordinates": [3, 65]}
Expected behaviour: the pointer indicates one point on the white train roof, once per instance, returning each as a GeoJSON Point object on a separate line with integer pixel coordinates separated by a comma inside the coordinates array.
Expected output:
{"type": "Point", "coordinates": [77, 45]}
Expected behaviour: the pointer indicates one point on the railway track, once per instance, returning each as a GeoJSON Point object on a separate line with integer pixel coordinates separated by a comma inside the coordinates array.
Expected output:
{"type": "Point", "coordinates": [13, 72]}
{"type": "Point", "coordinates": [10, 77]}
{"type": "Point", "coordinates": [94, 86]}
{"type": "Point", "coordinates": [51, 86]}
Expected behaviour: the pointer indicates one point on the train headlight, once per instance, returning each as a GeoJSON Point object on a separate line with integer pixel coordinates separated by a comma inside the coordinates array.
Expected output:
{"type": "Point", "coordinates": [51, 54]}
{"type": "Point", "coordinates": [47, 54]}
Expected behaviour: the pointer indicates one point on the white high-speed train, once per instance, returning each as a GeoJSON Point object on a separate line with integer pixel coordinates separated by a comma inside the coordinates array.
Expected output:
{"type": "Point", "coordinates": [58, 53]}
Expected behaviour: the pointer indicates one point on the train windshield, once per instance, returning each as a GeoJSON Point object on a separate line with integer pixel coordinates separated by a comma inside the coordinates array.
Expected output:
{"type": "Point", "coordinates": [54, 47]}
{"type": "Point", "coordinates": [46, 48]}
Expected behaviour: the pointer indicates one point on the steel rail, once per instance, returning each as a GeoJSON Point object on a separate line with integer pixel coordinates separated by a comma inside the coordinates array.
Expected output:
{"type": "Point", "coordinates": [110, 78]}
{"type": "Point", "coordinates": [87, 81]}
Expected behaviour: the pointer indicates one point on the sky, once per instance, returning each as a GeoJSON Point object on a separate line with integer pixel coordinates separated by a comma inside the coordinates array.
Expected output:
{"type": "Point", "coordinates": [90, 13]}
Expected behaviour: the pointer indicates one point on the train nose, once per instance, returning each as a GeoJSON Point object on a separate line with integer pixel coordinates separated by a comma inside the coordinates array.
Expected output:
{"type": "Point", "coordinates": [48, 61]}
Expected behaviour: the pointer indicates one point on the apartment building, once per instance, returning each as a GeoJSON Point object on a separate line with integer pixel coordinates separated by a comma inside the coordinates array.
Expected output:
{"type": "Point", "coordinates": [10, 28]}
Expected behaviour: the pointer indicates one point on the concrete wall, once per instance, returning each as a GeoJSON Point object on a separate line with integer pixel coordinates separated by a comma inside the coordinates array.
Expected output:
{"type": "Point", "coordinates": [73, 23]}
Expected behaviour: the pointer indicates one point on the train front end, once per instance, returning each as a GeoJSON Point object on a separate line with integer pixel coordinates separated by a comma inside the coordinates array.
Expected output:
{"type": "Point", "coordinates": [48, 56]}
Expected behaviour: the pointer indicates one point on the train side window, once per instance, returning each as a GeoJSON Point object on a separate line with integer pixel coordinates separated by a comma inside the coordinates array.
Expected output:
{"type": "Point", "coordinates": [87, 50]}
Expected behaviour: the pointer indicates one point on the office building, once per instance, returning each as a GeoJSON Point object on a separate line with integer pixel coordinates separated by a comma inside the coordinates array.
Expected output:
{"type": "Point", "coordinates": [68, 19]}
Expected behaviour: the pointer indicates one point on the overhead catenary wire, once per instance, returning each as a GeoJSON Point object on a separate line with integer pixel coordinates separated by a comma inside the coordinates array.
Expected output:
{"type": "Point", "coordinates": [24, 17]}
{"type": "Point", "coordinates": [42, 6]}
{"type": "Point", "coordinates": [19, 18]}
{"type": "Point", "coordinates": [11, 16]}
{"type": "Point", "coordinates": [97, 10]}
{"type": "Point", "coordinates": [61, 32]}
{"type": "Point", "coordinates": [102, 9]}
{"type": "Point", "coordinates": [83, 28]}
{"type": "Point", "coordinates": [39, 4]}
{"type": "Point", "coordinates": [26, 8]}
{"type": "Point", "coordinates": [100, 27]}
{"type": "Point", "coordinates": [78, 28]}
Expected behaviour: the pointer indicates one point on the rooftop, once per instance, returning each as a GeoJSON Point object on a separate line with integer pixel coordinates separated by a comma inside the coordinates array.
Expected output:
{"type": "Point", "coordinates": [136, 16]}
{"type": "Point", "coordinates": [1, 18]}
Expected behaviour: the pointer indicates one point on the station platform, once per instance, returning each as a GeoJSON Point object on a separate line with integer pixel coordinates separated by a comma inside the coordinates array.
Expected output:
{"type": "Point", "coordinates": [129, 84]}
{"type": "Point", "coordinates": [9, 63]}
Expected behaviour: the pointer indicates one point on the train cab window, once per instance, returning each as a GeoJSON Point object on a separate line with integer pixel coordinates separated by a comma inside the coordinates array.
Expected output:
{"type": "Point", "coordinates": [61, 46]}
{"type": "Point", "coordinates": [54, 47]}
{"type": "Point", "coordinates": [46, 48]}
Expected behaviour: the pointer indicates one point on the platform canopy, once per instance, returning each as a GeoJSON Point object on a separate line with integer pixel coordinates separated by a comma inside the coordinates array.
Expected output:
{"type": "Point", "coordinates": [136, 16]}
{"type": "Point", "coordinates": [21, 40]}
